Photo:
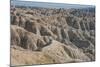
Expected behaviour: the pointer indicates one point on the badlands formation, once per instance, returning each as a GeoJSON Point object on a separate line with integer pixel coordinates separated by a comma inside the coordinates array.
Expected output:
{"type": "Point", "coordinates": [46, 36]}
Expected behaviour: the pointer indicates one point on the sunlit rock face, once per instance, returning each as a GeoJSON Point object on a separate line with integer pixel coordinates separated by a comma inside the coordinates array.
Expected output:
{"type": "Point", "coordinates": [45, 36]}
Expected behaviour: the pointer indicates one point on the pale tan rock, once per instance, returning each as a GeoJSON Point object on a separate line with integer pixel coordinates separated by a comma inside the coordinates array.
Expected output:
{"type": "Point", "coordinates": [45, 36]}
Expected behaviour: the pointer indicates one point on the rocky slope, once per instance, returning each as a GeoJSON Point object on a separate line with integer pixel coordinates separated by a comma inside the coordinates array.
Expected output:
{"type": "Point", "coordinates": [44, 36]}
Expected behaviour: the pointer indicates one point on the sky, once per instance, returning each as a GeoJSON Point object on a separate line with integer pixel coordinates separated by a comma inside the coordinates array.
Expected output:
{"type": "Point", "coordinates": [50, 5]}
{"type": "Point", "coordinates": [84, 2]}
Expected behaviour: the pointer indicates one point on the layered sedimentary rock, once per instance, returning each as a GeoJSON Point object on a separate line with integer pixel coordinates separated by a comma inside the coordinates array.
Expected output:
{"type": "Point", "coordinates": [43, 36]}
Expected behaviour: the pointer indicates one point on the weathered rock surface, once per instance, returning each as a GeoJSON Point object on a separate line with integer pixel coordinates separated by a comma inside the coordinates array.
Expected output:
{"type": "Point", "coordinates": [43, 36]}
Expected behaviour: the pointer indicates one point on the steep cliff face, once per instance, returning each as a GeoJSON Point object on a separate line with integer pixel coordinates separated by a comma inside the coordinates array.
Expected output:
{"type": "Point", "coordinates": [56, 35]}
